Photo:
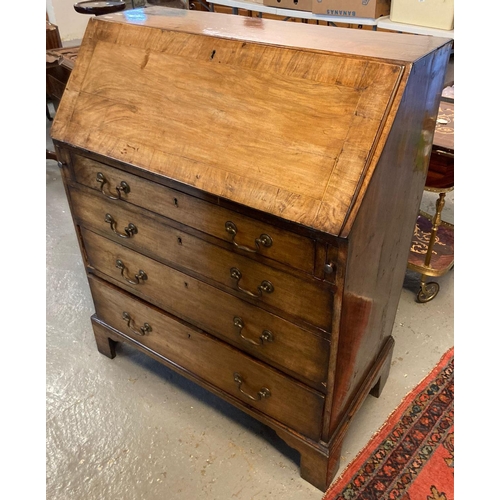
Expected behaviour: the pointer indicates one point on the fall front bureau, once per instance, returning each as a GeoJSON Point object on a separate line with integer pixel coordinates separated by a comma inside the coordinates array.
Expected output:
{"type": "Point", "coordinates": [244, 193]}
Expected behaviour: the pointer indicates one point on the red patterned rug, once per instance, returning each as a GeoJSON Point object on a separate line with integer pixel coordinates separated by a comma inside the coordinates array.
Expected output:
{"type": "Point", "coordinates": [412, 456]}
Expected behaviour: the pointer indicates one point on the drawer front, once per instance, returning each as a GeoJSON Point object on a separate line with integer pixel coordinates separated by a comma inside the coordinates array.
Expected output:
{"type": "Point", "coordinates": [266, 336]}
{"type": "Point", "coordinates": [251, 236]}
{"type": "Point", "coordinates": [271, 288]}
{"type": "Point", "coordinates": [235, 373]}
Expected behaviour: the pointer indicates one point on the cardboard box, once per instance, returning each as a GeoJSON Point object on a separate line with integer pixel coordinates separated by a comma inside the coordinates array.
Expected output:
{"type": "Point", "coordinates": [370, 9]}
{"type": "Point", "coordinates": [430, 13]}
{"type": "Point", "coordinates": [305, 5]}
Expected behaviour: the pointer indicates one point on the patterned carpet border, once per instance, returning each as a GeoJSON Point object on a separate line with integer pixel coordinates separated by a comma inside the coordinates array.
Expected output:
{"type": "Point", "coordinates": [419, 433]}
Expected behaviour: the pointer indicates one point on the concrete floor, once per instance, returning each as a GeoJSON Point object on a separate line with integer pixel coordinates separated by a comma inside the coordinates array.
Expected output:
{"type": "Point", "coordinates": [130, 428]}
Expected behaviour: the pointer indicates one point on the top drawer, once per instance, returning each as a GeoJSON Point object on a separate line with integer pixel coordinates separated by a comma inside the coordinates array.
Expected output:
{"type": "Point", "coordinates": [249, 236]}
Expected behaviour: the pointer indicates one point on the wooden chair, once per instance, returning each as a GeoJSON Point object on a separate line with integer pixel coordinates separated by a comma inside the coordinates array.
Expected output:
{"type": "Point", "coordinates": [60, 61]}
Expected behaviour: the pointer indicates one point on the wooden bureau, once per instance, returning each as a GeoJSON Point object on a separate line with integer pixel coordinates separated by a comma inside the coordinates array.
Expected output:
{"type": "Point", "coordinates": [244, 193]}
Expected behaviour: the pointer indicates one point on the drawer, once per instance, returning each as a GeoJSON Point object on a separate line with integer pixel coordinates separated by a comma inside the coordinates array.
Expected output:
{"type": "Point", "coordinates": [292, 349]}
{"type": "Point", "coordinates": [307, 299]}
{"type": "Point", "coordinates": [277, 244]}
{"type": "Point", "coordinates": [215, 362]}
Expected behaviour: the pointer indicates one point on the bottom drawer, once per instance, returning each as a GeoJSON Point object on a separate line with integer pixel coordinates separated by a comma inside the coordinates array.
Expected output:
{"type": "Point", "coordinates": [264, 388]}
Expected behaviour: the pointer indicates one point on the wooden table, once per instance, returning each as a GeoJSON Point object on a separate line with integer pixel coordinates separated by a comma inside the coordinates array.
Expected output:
{"type": "Point", "coordinates": [432, 249]}
{"type": "Point", "coordinates": [383, 22]}
{"type": "Point", "coordinates": [59, 64]}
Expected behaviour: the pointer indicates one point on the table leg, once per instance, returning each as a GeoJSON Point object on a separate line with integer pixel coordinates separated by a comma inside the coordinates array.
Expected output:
{"type": "Point", "coordinates": [429, 290]}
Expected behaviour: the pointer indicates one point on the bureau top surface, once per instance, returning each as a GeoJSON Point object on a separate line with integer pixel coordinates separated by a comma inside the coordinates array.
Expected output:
{"type": "Point", "coordinates": [281, 117]}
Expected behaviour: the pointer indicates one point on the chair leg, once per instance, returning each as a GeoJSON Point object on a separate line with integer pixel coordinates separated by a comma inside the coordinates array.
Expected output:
{"type": "Point", "coordinates": [50, 155]}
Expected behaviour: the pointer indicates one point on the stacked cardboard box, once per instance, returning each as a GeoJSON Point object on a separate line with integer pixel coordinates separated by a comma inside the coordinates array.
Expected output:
{"type": "Point", "coordinates": [370, 9]}
{"type": "Point", "coordinates": [431, 13]}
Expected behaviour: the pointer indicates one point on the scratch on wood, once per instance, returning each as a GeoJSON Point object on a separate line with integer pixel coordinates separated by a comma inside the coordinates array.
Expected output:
{"type": "Point", "coordinates": [145, 61]}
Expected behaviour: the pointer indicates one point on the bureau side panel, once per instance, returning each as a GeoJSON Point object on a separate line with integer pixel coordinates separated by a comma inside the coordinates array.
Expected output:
{"type": "Point", "coordinates": [379, 241]}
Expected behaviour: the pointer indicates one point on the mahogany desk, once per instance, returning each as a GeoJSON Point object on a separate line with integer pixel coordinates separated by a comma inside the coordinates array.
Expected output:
{"type": "Point", "coordinates": [227, 177]}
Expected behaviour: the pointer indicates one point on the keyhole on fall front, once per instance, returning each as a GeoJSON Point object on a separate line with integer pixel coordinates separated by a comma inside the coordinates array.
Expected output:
{"type": "Point", "coordinates": [213, 54]}
{"type": "Point", "coordinates": [179, 240]}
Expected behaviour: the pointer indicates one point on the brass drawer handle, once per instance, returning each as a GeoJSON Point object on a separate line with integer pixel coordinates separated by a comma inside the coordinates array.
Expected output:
{"type": "Point", "coordinates": [265, 286]}
{"type": "Point", "coordinates": [266, 335]}
{"type": "Point", "coordinates": [264, 240]}
{"type": "Point", "coordinates": [130, 230]}
{"type": "Point", "coordinates": [143, 330]}
{"type": "Point", "coordinates": [329, 268]}
{"type": "Point", "coordinates": [262, 394]}
{"type": "Point", "coordinates": [141, 275]}
{"type": "Point", "coordinates": [122, 188]}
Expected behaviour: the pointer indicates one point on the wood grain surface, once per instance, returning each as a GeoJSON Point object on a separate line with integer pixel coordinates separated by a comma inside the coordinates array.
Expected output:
{"type": "Point", "coordinates": [320, 137]}
{"type": "Point", "coordinates": [290, 402]}
{"type": "Point", "coordinates": [305, 301]}
{"type": "Point", "coordinates": [289, 248]}
{"type": "Point", "coordinates": [285, 131]}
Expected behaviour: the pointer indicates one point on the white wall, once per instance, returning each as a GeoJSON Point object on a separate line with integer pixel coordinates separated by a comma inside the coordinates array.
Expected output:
{"type": "Point", "coordinates": [71, 24]}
